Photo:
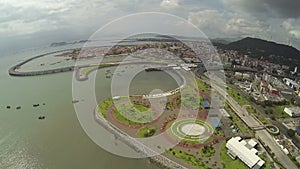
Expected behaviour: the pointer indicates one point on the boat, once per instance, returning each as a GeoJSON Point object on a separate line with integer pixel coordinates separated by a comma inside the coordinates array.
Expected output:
{"type": "Point", "coordinates": [75, 101]}
{"type": "Point", "coordinates": [116, 97]}
{"type": "Point", "coordinates": [41, 117]}
{"type": "Point", "coordinates": [36, 105]}
{"type": "Point", "coordinates": [152, 69]}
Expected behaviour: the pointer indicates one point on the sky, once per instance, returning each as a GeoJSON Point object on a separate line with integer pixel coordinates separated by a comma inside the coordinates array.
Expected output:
{"type": "Point", "coordinates": [35, 23]}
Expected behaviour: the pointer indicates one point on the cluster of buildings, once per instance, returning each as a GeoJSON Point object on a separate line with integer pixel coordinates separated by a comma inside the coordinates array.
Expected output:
{"type": "Point", "coordinates": [287, 146]}
{"type": "Point", "coordinates": [292, 84]}
{"type": "Point", "coordinates": [237, 58]}
{"type": "Point", "coordinates": [269, 82]}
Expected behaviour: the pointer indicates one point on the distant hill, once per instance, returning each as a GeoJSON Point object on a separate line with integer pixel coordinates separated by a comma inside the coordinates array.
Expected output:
{"type": "Point", "coordinates": [224, 41]}
{"type": "Point", "coordinates": [267, 50]}
{"type": "Point", "coordinates": [56, 44]}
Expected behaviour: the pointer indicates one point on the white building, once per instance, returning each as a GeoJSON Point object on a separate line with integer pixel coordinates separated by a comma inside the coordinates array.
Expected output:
{"type": "Point", "coordinates": [172, 65]}
{"type": "Point", "coordinates": [176, 68]}
{"type": "Point", "coordinates": [238, 74]}
{"type": "Point", "coordinates": [245, 151]}
{"type": "Point", "coordinates": [292, 111]}
{"type": "Point", "coordinates": [245, 76]}
{"type": "Point", "coordinates": [224, 113]}
{"type": "Point", "coordinates": [292, 84]}
{"type": "Point", "coordinates": [186, 68]}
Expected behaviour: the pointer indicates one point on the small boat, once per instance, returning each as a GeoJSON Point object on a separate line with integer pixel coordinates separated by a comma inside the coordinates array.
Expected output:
{"type": "Point", "coordinates": [75, 101]}
{"type": "Point", "coordinates": [36, 105]}
{"type": "Point", "coordinates": [116, 97]}
{"type": "Point", "coordinates": [152, 69]}
{"type": "Point", "coordinates": [41, 117]}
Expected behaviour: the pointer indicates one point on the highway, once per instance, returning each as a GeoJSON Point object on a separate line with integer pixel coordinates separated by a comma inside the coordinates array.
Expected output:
{"type": "Point", "coordinates": [263, 135]}
{"type": "Point", "coordinates": [266, 137]}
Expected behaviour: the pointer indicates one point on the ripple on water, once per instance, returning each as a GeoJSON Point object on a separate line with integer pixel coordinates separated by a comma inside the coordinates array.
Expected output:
{"type": "Point", "coordinates": [14, 154]}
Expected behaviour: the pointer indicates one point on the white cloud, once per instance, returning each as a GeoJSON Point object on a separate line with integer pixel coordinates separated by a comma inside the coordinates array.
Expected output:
{"type": "Point", "coordinates": [291, 28]}
{"type": "Point", "coordinates": [28, 17]}
{"type": "Point", "coordinates": [169, 4]}
{"type": "Point", "coordinates": [226, 24]}
{"type": "Point", "coordinates": [19, 27]}
{"type": "Point", "coordinates": [287, 24]}
{"type": "Point", "coordinates": [295, 33]}
{"type": "Point", "coordinates": [221, 18]}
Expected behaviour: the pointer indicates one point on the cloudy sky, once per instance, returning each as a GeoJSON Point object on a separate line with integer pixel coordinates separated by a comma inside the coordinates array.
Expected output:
{"type": "Point", "coordinates": [33, 23]}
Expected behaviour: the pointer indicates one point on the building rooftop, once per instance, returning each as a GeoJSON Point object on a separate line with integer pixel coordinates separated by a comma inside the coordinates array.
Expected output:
{"type": "Point", "coordinates": [252, 143]}
{"type": "Point", "coordinates": [292, 111]}
{"type": "Point", "coordinates": [216, 121]}
{"type": "Point", "coordinates": [298, 130]}
{"type": "Point", "coordinates": [206, 104]}
{"type": "Point", "coordinates": [224, 113]}
{"type": "Point", "coordinates": [240, 148]}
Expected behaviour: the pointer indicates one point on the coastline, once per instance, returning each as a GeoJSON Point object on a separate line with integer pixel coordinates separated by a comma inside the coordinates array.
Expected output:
{"type": "Point", "coordinates": [159, 160]}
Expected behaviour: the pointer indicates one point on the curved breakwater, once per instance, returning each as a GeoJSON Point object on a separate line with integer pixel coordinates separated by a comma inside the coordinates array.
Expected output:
{"type": "Point", "coordinates": [13, 71]}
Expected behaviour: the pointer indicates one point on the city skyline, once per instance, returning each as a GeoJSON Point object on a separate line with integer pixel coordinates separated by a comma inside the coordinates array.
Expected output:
{"type": "Point", "coordinates": [37, 23]}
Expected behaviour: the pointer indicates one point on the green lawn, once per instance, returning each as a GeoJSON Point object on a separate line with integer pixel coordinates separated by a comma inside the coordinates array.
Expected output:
{"type": "Point", "coordinates": [140, 108]}
{"type": "Point", "coordinates": [85, 71]}
{"type": "Point", "coordinates": [170, 105]}
{"type": "Point", "coordinates": [188, 158]}
{"type": "Point", "coordinates": [267, 163]}
{"type": "Point", "coordinates": [103, 106]}
{"type": "Point", "coordinates": [261, 118]}
{"type": "Point", "coordinates": [131, 116]}
{"type": "Point", "coordinates": [203, 86]}
{"type": "Point", "coordinates": [278, 111]}
{"type": "Point", "coordinates": [238, 97]}
{"type": "Point", "coordinates": [228, 163]}
{"type": "Point", "coordinates": [219, 132]}
{"type": "Point", "coordinates": [190, 99]}
{"type": "Point", "coordinates": [146, 131]}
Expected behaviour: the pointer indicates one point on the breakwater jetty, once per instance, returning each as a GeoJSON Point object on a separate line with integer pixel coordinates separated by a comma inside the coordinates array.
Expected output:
{"type": "Point", "coordinates": [13, 71]}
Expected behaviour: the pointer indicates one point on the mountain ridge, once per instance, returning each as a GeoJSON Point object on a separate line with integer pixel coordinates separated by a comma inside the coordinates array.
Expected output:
{"type": "Point", "coordinates": [266, 50]}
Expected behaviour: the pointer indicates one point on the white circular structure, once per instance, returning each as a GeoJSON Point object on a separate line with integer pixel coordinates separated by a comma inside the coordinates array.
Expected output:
{"type": "Point", "coordinates": [193, 129]}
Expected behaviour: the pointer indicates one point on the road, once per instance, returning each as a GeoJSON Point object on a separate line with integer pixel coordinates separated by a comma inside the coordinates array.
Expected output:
{"type": "Point", "coordinates": [266, 137]}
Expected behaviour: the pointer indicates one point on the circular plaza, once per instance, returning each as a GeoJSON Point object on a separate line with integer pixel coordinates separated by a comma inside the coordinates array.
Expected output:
{"type": "Point", "coordinates": [191, 130]}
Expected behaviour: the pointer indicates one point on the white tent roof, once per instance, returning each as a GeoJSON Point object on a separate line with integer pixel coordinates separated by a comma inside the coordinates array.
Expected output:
{"type": "Point", "coordinates": [248, 156]}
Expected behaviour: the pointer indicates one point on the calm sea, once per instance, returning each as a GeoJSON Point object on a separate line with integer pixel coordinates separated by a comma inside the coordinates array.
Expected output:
{"type": "Point", "coordinates": [57, 142]}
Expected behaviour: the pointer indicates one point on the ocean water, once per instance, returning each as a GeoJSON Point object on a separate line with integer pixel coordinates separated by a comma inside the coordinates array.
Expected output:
{"type": "Point", "coordinates": [58, 141]}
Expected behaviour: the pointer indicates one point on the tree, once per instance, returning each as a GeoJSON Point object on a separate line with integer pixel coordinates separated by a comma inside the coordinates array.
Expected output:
{"type": "Point", "coordinates": [291, 133]}
{"type": "Point", "coordinates": [273, 117]}
{"type": "Point", "coordinates": [266, 112]}
{"type": "Point", "coordinates": [293, 100]}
